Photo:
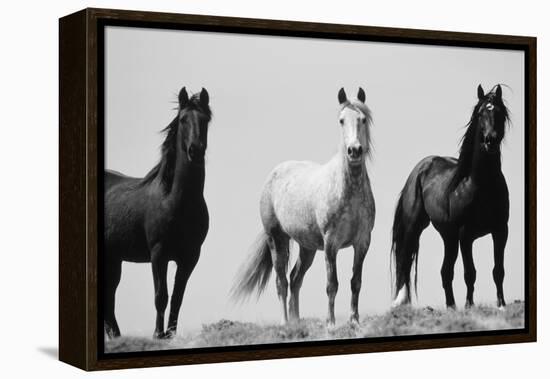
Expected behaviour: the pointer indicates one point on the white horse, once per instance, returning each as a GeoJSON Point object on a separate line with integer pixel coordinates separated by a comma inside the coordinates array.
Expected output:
{"type": "Point", "coordinates": [322, 207]}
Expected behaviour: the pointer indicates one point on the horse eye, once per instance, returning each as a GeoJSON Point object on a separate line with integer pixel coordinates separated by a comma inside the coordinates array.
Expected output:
{"type": "Point", "coordinates": [341, 121]}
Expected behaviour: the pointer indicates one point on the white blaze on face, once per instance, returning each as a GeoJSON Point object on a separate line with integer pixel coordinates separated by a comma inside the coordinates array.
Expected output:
{"type": "Point", "coordinates": [354, 128]}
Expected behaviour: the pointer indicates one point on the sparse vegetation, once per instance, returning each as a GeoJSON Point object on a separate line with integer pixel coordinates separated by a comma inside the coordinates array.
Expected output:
{"type": "Point", "coordinates": [401, 321]}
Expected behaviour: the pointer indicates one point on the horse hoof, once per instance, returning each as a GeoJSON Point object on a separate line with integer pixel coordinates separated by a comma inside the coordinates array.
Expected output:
{"type": "Point", "coordinates": [397, 305]}
{"type": "Point", "coordinates": [354, 319]}
{"type": "Point", "coordinates": [158, 335]}
{"type": "Point", "coordinates": [293, 320]}
{"type": "Point", "coordinates": [331, 325]}
{"type": "Point", "coordinates": [402, 298]}
{"type": "Point", "coordinates": [169, 334]}
{"type": "Point", "coordinates": [502, 308]}
{"type": "Point", "coordinates": [469, 305]}
{"type": "Point", "coordinates": [111, 335]}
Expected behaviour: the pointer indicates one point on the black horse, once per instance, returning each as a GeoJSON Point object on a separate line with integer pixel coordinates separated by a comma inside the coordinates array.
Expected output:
{"type": "Point", "coordinates": [162, 217]}
{"type": "Point", "coordinates": [464, 199]}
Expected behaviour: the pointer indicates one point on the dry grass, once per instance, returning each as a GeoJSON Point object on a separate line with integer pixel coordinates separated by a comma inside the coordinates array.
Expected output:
{"type": "Point", "coordinates": [401, 321]}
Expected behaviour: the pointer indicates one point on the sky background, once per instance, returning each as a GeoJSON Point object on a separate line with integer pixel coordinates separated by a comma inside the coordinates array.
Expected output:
{"type": "Point", "coordinates": [275, 99]}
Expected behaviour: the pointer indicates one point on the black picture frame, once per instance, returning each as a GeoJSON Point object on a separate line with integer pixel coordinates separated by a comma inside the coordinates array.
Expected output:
{"type": "Point", "coordinates": [81, 204]}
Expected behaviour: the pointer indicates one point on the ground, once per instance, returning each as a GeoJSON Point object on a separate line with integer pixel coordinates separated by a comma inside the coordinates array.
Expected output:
{"type": "Point", "coordinates": [401, 321]}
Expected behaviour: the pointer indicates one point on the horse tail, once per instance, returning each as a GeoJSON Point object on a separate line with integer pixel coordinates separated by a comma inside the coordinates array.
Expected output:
{"type": "Point", "coordinates": [254, 274]}
{"type": "Point", "coordinates": [409, 221]}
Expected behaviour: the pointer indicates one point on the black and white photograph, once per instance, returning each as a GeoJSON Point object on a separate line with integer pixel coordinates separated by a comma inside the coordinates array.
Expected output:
{"type": "Point", "coordinates": [264, 189]}
{"type": "Point", "coordinates": [274, 189]}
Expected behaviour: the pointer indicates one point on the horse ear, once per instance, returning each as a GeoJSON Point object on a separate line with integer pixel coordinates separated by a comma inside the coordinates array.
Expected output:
{"type": "Point", "coordinates": [342, 98]}
{"type": "Point", "coordinates": [183, 98]}
{"type": "Point", "coordinates": [361, 95]}
{"type": "Point", "coordinates": [499, 92]}
{"type": "Point", "coordinates": [480, 92]}
{"type": "Point", "coordinates": [204, 97]}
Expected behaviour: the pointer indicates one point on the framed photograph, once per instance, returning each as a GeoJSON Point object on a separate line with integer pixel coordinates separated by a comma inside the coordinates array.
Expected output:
{"type": "Point", "coordinates": [241, 189]}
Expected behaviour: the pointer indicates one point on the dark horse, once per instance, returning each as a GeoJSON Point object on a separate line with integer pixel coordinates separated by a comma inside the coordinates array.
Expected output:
{"type": "Point", "coordinates": [464, 199]}
{"type": "Point", "coordinates": [162, 217]}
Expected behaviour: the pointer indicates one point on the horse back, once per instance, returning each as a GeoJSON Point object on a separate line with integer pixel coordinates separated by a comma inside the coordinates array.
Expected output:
{"type": "Point", "coordinates": [287, 202]}
{"type": "Point", "coordinates": [112, 178]}
{"type": "Point", "coordinates": [428, 187]}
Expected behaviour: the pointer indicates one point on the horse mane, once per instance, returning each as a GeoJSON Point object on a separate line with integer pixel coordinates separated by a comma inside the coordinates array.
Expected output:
{"type": "Point", "coordinates": [363, 108]}
{"type": "Point", "coordinates": [467, 146]}
{"type": "Point", "coordinates": [168, 147]}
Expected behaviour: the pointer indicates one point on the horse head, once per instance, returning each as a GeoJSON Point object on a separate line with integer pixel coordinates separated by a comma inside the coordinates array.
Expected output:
{"type": "Point", "coordinates": [193, 117]}
{"type": "Point", "coordinates": [491, 115]}
{"type": "Point", "coordinates": [354, 119]}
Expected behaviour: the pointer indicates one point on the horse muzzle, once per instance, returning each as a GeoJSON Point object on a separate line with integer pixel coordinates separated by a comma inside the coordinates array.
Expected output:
{"type": "Point", "coordinates": [490, 145]}
{"type": "Point", "coordinates": [355, 154]}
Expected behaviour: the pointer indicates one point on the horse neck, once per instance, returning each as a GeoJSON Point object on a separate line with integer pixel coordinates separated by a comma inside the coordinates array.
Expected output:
{"type": "Point", "coordinates": [483, 166]}
{"type": "Point", "coordinates": [188, 180]}
{"type": "Point", "coordinates": [350, 179]}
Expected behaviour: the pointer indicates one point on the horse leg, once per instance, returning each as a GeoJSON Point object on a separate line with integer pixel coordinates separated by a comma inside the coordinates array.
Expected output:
{"type": "Point", "coordinates": [469, 268]}
{"type": "Point", "coordinates": [278, 245]}
{"type": "Point", "coordinates": [358, 258]}
{"type": "Point", "coordinates": [305, 259]}
{"type": "Point", "coordinates": [499, 243]}
{"type": "Point", "coordinates": [447, 269]}
{"type": "Point", "coordinates": [184, 270]}
{"type": "Point", "coordinates": [112, 279]}
{"type": "Point", "coordinates": [332, 281]}
{"type": "Point", "coordinates": [159, 266]}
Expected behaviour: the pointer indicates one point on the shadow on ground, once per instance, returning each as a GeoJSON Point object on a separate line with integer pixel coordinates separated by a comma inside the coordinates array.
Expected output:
{"type": "Point", "coordinates": [50, 351]}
